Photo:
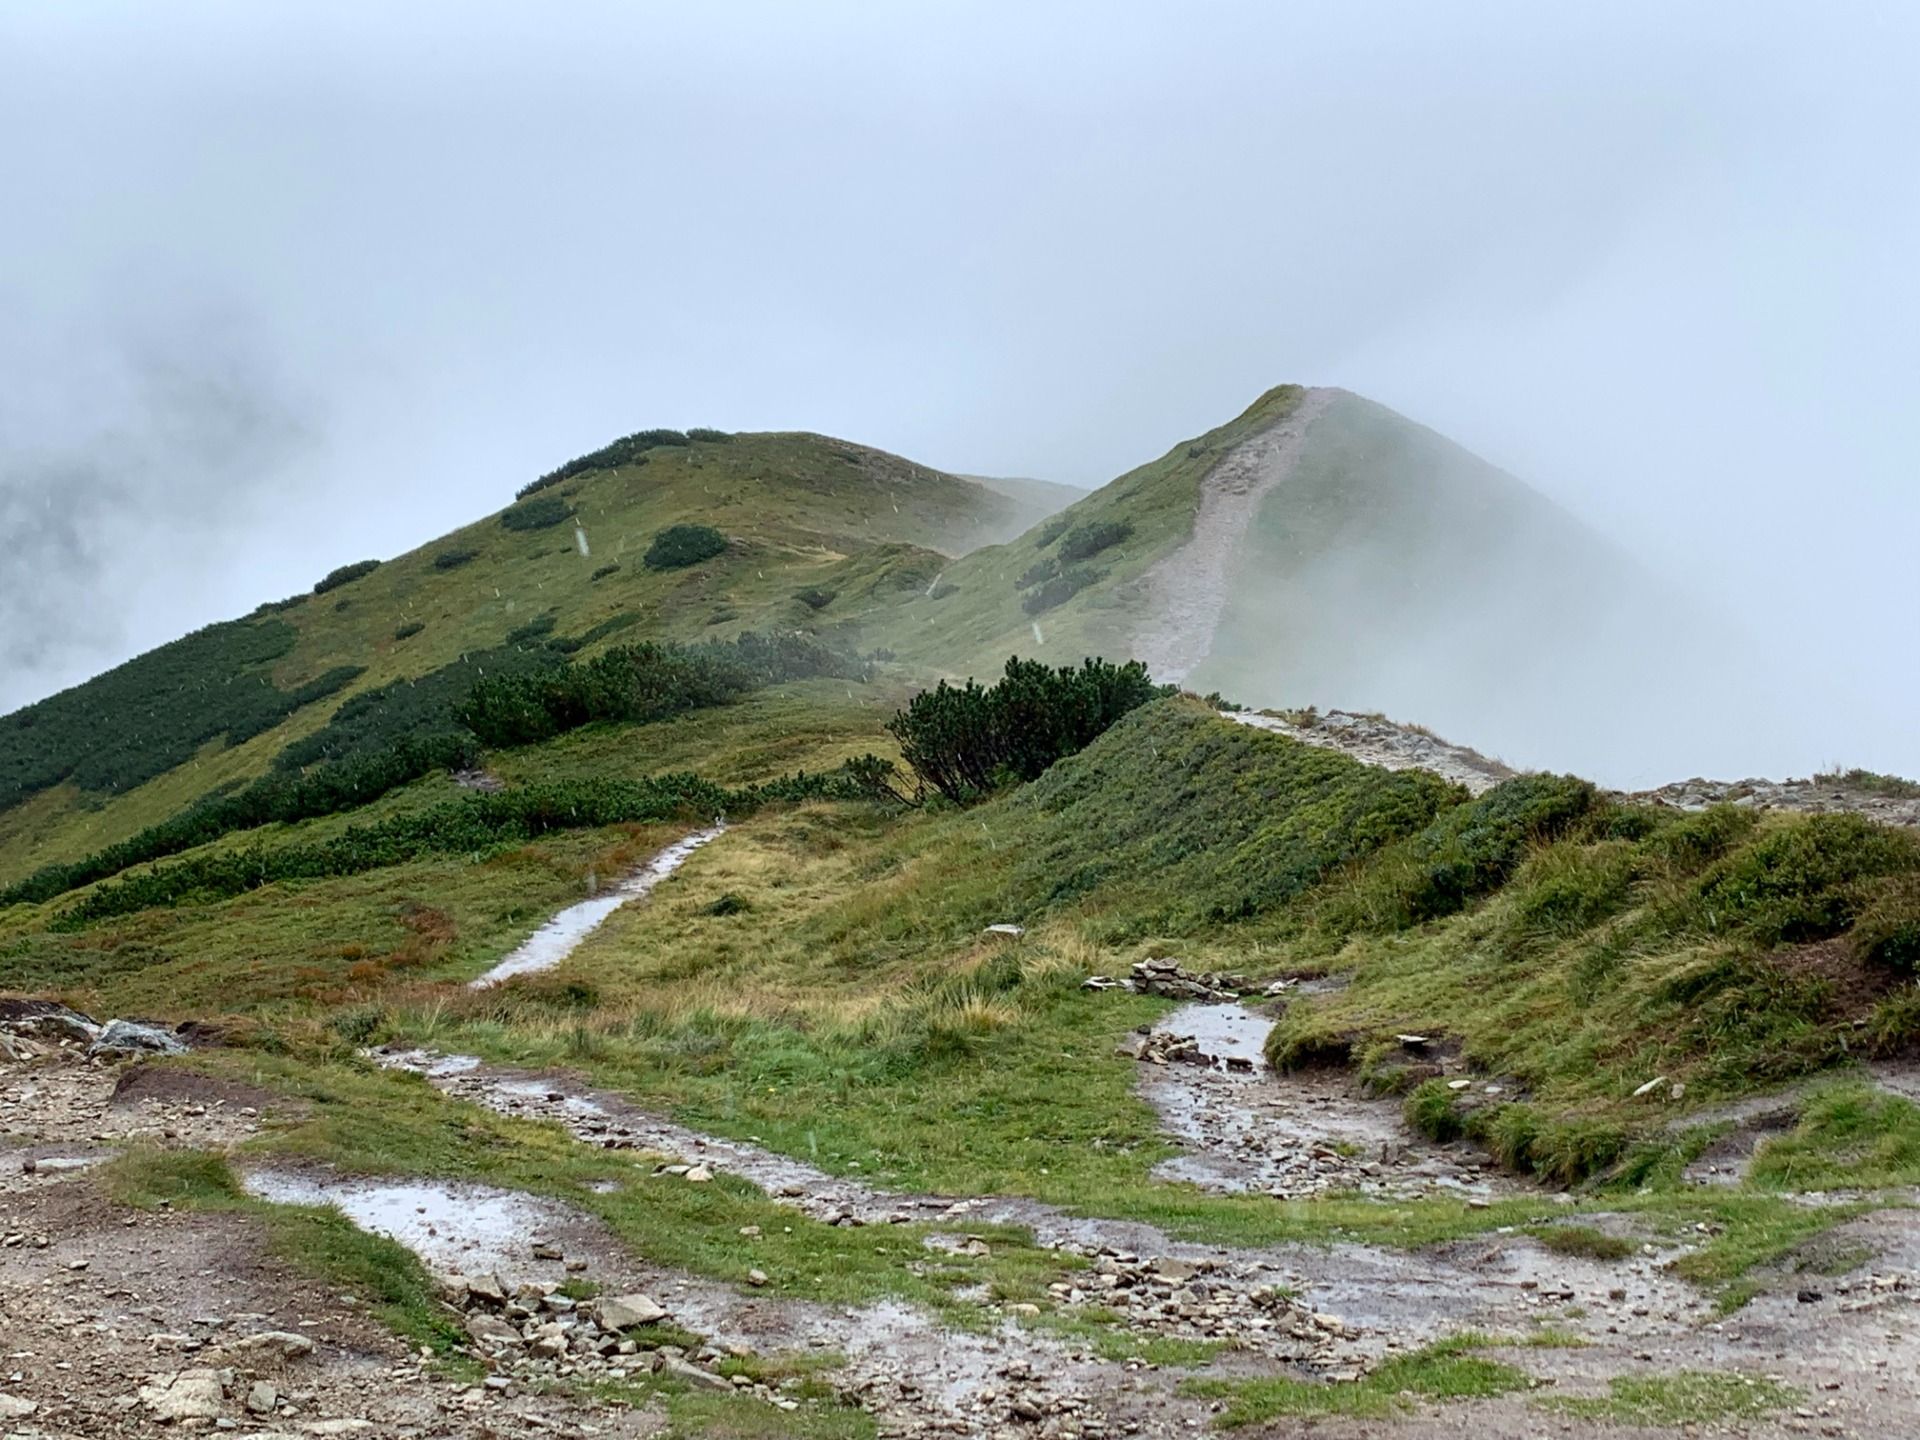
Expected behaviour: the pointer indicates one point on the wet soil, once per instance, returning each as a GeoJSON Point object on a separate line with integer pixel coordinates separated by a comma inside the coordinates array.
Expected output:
{"type": "Point", "coordinates": [1244, 1131]}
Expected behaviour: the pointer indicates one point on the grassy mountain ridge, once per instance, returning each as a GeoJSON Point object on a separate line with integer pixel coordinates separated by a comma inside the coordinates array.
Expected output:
{"type": "Point", "coordinates": [846, 527]}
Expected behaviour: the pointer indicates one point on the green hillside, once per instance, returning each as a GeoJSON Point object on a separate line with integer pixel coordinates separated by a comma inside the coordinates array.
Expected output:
{"type": "Point", "coordinates": [820, 534]}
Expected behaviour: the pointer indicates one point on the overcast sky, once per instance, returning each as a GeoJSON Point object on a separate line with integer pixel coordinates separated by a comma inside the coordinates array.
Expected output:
{"type": "Point", "coordinates": [283, 286]}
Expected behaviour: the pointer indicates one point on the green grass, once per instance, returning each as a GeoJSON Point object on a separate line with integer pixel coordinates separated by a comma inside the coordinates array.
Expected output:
{"type": "Point", "coordinates": [1584, 1241]}
{"type": "Point", "coordinates": [845, 1006]}
{"type": "Point", "coordinates": [1849, 1136]}
{"type": "Point", "coordinates": [1449, 1370]}
{"type": "Point", "coordinates": [368, 1121]}
{"type": "Point", "coordinates": [1689, 1397]}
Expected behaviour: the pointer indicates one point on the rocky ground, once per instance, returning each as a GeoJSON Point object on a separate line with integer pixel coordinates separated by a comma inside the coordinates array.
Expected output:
{"type": "Point", "coordinates": [132, 1323]}
{"type": "Point", "coordinates": [1376, 740]}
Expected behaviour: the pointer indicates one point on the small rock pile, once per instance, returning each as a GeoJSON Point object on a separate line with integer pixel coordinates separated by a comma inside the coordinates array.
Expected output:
{"type": "Point", "coordinates": [1160, 1047]}
{"type": "Point", "coordinates": [210, 1392]}
{"type": "Point", "coordinates": [535, 1333]}
{"type": "Point", "coordinates": [1165, 977]}
{"type": "Point", "coordinates": [1205, 1299]}
{"type": "Point", "coordinates": [31, 1028]}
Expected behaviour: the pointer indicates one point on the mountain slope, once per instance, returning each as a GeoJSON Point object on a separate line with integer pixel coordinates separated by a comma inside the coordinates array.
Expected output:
{"type": "Point", "coordinates": [820, 533]}
{"type": "Point", "coordinates": [1034, 500]}
{"type": "Point", "coordinates": [1322, 550]}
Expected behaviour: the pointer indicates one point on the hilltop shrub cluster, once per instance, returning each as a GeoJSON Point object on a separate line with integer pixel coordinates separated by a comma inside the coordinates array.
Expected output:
{"type": "Point", "coordinates": [141, 719]}
{"type": "Point", "coordinates": [681, 545]}
{"type": "Point", "coordinates": [473, 824]}
{"type": "Point", "coordinates": [627, 450]}
{"type": "Point", "coordinates": [636, 683]}
{"type": "Point", "coordinates": [334, 579]}
{"type": "Point", "coordinates": [965, 741]}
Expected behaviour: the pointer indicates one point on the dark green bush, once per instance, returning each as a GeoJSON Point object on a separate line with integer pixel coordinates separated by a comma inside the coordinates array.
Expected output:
{"type": "Point", "coordinates": [542, 512]}
{"type": "Point", "coordinates": [964, 740]}
{"type": "Point", "coordinates": [537, 628]}
{"type": "Point", "coordinates": [1052, 531]}
{"type": "Point", "coordinates": [1692, 842]}
{"type": "Point", "coordinates": [334, 579]}
{"type": "Point", "coordinates": [605, 570]}
{"type": "Point", "coordinates": [702, 432]}
{"type": "Point", "coordinates": [1044, 568]}
{"type": "Point", "coordinates": [1473, 848]}
{"type": "Point", "coordinates": [1888, 933]}
{"type": "Point", "coordinates": [628, 450]}
{"type": "Point", "coordinates": [681, 545]}
{"type": "Point", "coordinates": [612, 625]}
{"type": "Point", "coordinates": [408, 630]}
{"type": "Point", "coordinates": [1061, 588]}
{"type": "Point", "coordinates": [1085, 541]}
{"type": "Point", "coordinates": [473, 824]}
{"type": "Point", "coordinates": [276, 798]}
{"type": "Point", "coordinates": [815, 599]}
{"type": "Point", "coordinates": [638, 683]}
{"type": "Point", "coordinates": [453, 559]}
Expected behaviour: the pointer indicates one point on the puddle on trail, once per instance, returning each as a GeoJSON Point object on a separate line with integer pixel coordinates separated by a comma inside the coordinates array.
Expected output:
{"type": "Point", "coordinates": [1226, 1032]}
{"type": "Point", "coordinates": [561, 935]}
{"type": "Point", "coordinates": [453, 1228]}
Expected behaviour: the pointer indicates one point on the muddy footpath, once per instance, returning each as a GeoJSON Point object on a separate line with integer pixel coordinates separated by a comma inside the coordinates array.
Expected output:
{"type": "Point", "coordinates": [125, 1322]}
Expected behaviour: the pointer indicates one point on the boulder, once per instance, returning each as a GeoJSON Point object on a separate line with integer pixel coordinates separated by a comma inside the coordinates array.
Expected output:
{"type": "Point", "coordinates": [186, 1395]}
{"type": "Point", "coordinates": [280, 1345]}
{"type": "Point", "coordinates": [490, 1332]}
{"type": "Point", "coordinates": [129, 1037]}
{"type": "Point", "coordinates": [692, 1374]}
{"type": "Point", "coordinates": [15, 1407]}
{"type": "Point", "coordinates": [56, 1023]}
{"type": "Point", "coordinates": [622, 1312]}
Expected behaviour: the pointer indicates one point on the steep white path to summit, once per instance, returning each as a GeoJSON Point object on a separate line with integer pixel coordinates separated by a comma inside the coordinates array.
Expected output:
{"type": "Point", "coordinates": [1187, 590]}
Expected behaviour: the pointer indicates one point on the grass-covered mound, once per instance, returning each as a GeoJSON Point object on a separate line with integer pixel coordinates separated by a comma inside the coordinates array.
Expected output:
{"type": "Point", "coordinates": [1578, 948]}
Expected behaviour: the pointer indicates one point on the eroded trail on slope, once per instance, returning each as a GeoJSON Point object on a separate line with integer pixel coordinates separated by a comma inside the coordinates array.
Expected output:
{"type": "Point", "coordinates": [1187, 590]}
{"type": "Point", "coordinates": [1243, 1130]}
{"type": "Point", "coordinates": [1378, 1299]}
{"type": "Point", "coordinates": [1326, 1311]}
{"type": "Point", "coordinates": [563, 934]}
